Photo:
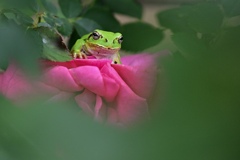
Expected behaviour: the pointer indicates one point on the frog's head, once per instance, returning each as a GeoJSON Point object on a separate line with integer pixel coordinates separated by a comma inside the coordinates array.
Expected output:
{"type": "Point", "coordinates": [104, 42]}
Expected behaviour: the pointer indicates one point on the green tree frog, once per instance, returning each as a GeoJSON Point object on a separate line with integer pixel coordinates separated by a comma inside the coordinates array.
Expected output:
{"type": "Point", "coordinates": [100, 44]}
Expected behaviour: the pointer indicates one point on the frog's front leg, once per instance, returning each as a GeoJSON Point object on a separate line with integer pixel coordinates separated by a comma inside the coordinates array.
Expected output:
{"type": "Point", "coordinates": [77, 50]}
{"type": "Point", "coordinates": [116, 58]}
{"type": "Point", "coordinates": [78, 54]}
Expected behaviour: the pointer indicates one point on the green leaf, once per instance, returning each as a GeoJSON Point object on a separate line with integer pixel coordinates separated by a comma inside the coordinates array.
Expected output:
{"type": "Point", "coordinates": [18, 16]}
{"type": "Point", "coordinates": [54, 47]}
{"type": "Point", "coordinates": [54, 54]}
{"type": "Point", "coordinates": [23, 4]}
{"type": "Point", "coordinates": [70, 8]}
{"type": "Point", "coordinates": [49, 6]}
{"type": "Point", "coordinates": [23, 46]}
{"type": "Point", "coordinates": [205, 18]}
{"type": "Point", "coordinates": [227, 41]}
{"type": "Point", "coordinates": [231, 7]}
{"type": "Point", "coordinates": [175, 19]}
{"type": "Point", "coordinates": [139, 36]}
{"type": "Point", "coordinates": [85, 26]}
{"type": "Point", "coordinates": [104, 18]}
{"type": "Point", "coordinates": [3, 18]}
{"type": "Point", "coordinates": [127, 7]}
{"type": "Point", "coordinates": [189, 45]}
{"type": "Point", "coordinates": [64, 27]}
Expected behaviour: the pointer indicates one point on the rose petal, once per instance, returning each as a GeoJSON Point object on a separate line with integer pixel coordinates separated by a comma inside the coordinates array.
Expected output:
{"type": "Point", "coordinates": [100, 109]}
{"type": "Point", "coordinates": [1, 75]}
{"type": "Point", "coordinates": [13, 84]}
{"type": "Point", "coordinates": [129, 106]}
{"type": "Point", "coordinates": [78, 62]}
{"type": "Point", "coordinates": [86, 101]}
{"type": "Point", "coordinates": [60, 77]}
{"type": "Point", "coordinates": [61, 96]}
{"type": "Point", "coordinates": [142, 82]}
{"type": "Point", "coordinates": [92, 79]}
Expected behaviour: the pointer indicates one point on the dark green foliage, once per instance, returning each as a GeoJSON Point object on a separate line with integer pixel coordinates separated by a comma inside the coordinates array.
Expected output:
{"type": "Point", "coordinates": [138, 36]}
{"type": "Point", "coordinates": [85, 26]}
{"type": "Point", "coordinates": [104, 17]}
{"type": "Point", "coordinates": [70, 8]}
{"type": "Point", "coordinates": [231, 7]}
{"type": "Point", "coordinates": [128, 7]}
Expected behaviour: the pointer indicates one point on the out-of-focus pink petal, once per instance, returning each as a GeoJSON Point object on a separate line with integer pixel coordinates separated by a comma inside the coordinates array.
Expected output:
{"type": "Point", "coordinates": [1, 75]}
{"type": "Point", "coordinates": [86, 101]}
{"type": "Point", "coordinates": [144, 60]}
{"type": "Point", "coordinates": [92, 104]}
{"type": "Point", "coordinates": [100, 109]}
{"type": "Point", "coordinates": [45, 89]}
{"type": "Point", "coordinates": [60, 78]}
{"type": "Point", "coordinates": [129, 106]}
{"type": "Point", "coordinates": [112, 116]}
{"type": "Point", "coordinates": [139, 72]}
{"type": "Point", "coordinates": [92, 79]}
{"type": "Point", "coordinates": [13, 84]}
{"type": "Point", "coordinates": [61, 96]}
{"type": "Point", "coordinates": [142, 82]}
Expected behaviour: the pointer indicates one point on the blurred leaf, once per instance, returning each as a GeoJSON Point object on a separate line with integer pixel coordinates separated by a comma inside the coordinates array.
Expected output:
{"type": "Point", "coordinates": [61, 24]}
{"type": "Point", "coordinates": [189, 45]}
{"type": "Point", "coordinates": [227, 41]}
{"type": "Point", "coordinates": [85, 26]}
{"type": "Point", "coordinates": [54, 132]}
{"type": "Point", "coordinates": [139, 36]}
{"type": "Point", "coordinates": [205, 18]}
{"type": "Point", "coordinates": [3, 18]}
{"type": "Point", "coordinates": [18, 16]}
{"type": "Point", "coordinates": [199, 116]}
{"type": "Point", "coordinates": [23, 4]}
{"type": "Point", "coordinates": [49, 6]}
{"type": "Point", "coordinates": [128, 7]}
{"type": "Point", "coordinates": [17, 44]}
{"type": "Point", "coordinates": [54, 47]}
{"type": "Point", "coordinates": [23, 46]}
{"type": "Point", "coordinates": [175, 19]}
{"type": "Point", "coordinates": [64, 27]}
{"type": "Point", "coordinates": [104, 18]}
{"type": "Point", "coordinates": [54, 54]}
{"type": "Point", "coordinates": [70, 8]}
{"type": "Point", "coordinates": [231, 7]}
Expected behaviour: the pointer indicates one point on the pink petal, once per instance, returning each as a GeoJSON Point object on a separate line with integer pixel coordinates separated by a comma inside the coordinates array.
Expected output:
{"type": "Point", "coordinates": [129, 106]}
{"type": "Point", "coordinates": [142, 82]}
{"type": "Point", "coordinates": [92, 104]}
{"type": "Point", "coordinates": [60, 78]}
{"type": "Point", "coordinates": [61, 96]}
{"type": "Point", "coordinates": [144, 60]}
{"type": "Point", "coordinates": [1, 75]}
{"type": "Point", "coordinates": [77, 63]}
{"type": "Point", "coordinates": [86, 101]}
{"type": "Point", "coordinates": [13, 84]}
{"type": "Point", "coordinates": [100, 109]}
{"type": "Point", "coordinates": [92, 79]}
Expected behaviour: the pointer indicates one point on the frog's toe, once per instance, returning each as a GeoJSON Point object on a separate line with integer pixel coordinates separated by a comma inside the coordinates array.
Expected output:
{"type": "Point", "coordinates": [79, 55]}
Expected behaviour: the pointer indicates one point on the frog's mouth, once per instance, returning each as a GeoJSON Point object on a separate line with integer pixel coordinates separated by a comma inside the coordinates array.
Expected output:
{"type": "Point", "coordinates": [94, 49]}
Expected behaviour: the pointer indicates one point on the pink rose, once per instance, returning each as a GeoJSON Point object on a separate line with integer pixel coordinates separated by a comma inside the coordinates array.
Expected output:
{"type": "Point", "coordinates": [111, 93]}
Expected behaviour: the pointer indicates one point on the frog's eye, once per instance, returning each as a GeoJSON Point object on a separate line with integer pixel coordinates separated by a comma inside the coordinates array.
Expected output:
{"type": "Point", "coordinates": [96, 35]}
{"type": "Point", "coordinates": [120, 39]}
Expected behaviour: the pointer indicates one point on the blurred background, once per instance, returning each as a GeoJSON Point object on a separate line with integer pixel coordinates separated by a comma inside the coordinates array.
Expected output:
{"type": "Point", "coordinates": [195, 108]}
